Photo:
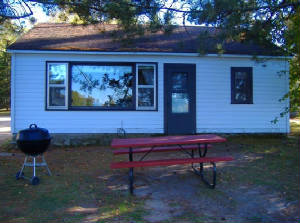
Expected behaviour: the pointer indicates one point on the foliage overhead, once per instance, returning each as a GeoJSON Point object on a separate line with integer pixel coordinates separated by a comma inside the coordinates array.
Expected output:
{"type": "Point", "coordinates": [259, 21]}
{"type": "Point", "coordinates": [293, 45]}
{"type": "Point", "coordinates": [8, 34]}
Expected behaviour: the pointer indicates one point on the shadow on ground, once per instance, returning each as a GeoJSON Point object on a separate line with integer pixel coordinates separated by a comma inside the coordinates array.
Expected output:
{"type": "Point", "coordinates": [175, 193]}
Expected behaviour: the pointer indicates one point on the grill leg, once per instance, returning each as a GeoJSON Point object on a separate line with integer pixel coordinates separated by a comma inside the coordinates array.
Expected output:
{"type": "Point", "coordinates": [20, 174]}
{"type": "Point", "coordinates": [44, 161]}
{"type": "Point", "coordinates": [25, 161]}
{"type": "Point", "coordinates": [34, 180]}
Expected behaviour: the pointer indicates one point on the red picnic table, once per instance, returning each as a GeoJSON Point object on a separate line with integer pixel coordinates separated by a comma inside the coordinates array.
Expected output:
{"type": "Point", "coordinates": [185, 143]}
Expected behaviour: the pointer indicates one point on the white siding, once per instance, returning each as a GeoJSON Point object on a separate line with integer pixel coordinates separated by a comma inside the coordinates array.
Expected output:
{"type": "Point", "coordinates": [215, 113]}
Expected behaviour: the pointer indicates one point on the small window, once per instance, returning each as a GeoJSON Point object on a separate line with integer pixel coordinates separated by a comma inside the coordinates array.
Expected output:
{"type": "Point", "coordinates": [241, 85]}
{"type": "Point", "coordinates": [57, 75]}
{"type": "Point", "coordinates": [146, 87]}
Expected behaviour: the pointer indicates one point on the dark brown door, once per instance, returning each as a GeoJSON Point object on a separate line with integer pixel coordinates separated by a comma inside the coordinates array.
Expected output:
{"type": "Point", "coordinates": [180, 98]}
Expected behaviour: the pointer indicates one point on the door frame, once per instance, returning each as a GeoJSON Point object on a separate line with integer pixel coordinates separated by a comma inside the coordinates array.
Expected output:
{"type": "Point", "coordinates": [166, 87]}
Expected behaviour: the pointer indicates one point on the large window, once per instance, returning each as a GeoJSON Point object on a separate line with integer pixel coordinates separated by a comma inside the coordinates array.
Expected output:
{"type": "Point", "coordinates": [102, 86]}
{"type": "Point", "coordinates": [241, 85]}
{"type": "Point", "coordinates": [105, 86]}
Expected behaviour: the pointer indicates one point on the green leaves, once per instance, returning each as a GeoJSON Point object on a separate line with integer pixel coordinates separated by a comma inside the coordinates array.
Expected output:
{"type": "Point", "coordinates": [8, 34]}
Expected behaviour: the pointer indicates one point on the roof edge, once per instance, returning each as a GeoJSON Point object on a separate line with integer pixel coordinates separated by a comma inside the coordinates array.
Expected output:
{"type": "Point", "coordinates": [143, 53]}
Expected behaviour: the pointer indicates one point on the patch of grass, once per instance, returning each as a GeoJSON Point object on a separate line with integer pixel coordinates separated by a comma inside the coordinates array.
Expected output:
{"type": "Point", "coordinates": [137, 215]}
{"type": "Point", "coordinates": [191, 216]}
{"type": "Point", "coordinates": [254, 219]}
{"type": "Point", "coordinates": [174, 204]}
{"type": "Point", "coordinates": [8, 146]}
{"type": "Point", "coordinates": [212, 194]}
{"type": "Point", "coordinates": [274, 163]}
{"type": "Point", "coordinates": [68, 194]}
{"type": "Point", "coordinates": [295, 128]}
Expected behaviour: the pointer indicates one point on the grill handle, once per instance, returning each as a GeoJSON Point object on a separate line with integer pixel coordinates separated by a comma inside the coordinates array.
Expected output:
{"type": "Point", "coordinates": [33, 126]}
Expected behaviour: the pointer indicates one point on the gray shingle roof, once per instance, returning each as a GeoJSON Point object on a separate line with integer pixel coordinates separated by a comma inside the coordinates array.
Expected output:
{"type": "Point", "coordinates": [67, 37]}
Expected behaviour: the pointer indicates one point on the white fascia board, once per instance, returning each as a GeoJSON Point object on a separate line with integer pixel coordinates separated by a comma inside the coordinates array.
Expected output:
{"type": "Point", "coordinates": [143, 54]}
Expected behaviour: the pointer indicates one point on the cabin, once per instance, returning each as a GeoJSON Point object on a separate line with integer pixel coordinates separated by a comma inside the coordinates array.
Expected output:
{"type": "Point", "coordinates": [85, 79]}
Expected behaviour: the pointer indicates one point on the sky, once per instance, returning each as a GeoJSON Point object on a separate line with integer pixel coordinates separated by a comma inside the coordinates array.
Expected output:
{"type": "Point", "coordinates": [38, 14]}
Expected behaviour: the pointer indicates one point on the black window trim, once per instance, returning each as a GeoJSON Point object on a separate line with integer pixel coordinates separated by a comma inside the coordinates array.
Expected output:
{"type": "Point", "coordinates": [77, 108]}
{"type": "Point", "coordinates": [249, 71]}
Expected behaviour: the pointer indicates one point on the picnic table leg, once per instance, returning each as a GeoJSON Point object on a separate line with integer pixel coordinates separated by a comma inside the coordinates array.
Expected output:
{"type": "Point", "coordinates": [202, 154]}
{"type": "Point", "coordinates": [214, 177]}
{"type": "Point", "coordinates": [131, 180]}
{"type": "Point", "coordinates": [130, 172]}
{"type": "Point", "coordinates": [200, 172]}
{"type": "Point", "coordinates": [192, 155]}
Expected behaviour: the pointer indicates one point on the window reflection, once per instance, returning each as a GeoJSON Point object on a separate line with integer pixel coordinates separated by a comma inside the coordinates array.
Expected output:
{"type": "Point", "coordinates": [180, 103]}
{"type": "Point", "coordinates": [102, 85]}
{"type": "Point", "coordinates": [179, 81]}
{"type": "Point", "coordinates": [146, 75]}
{"type": "Point", "coordinates": [57, 73]}
{"type": "Point", "coordinates": [145, 97]}
{"type": "Point", "coordinates": [57, 96]}
{"type": "Point", "coordinates": [240, 86]}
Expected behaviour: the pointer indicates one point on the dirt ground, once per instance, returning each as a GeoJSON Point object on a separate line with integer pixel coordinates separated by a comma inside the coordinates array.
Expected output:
{"type": "Point", "coordinates": [175, 193]}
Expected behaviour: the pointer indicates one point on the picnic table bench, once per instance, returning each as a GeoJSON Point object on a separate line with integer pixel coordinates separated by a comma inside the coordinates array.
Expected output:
{"type": "Point", "coordinates": [188, 144]}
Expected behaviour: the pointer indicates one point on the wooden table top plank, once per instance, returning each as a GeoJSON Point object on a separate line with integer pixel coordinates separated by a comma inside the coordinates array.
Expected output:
{"type": "Point", "coordinates": [165, 140]}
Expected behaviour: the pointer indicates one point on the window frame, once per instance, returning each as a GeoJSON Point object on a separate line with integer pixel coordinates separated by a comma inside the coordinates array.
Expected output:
{"type": "Point", "coordinates": [65, 85]}
{"type": "Point", "coordinates": [249, 84]}
{"type": "Point", "coordinates": [68, 87]}
{"type": "Point", "coordinates": [154, 86]}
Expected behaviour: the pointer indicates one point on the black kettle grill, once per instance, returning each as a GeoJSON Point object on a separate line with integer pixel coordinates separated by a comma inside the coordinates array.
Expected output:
{"type": "Point", "coordinates": [33, 142]}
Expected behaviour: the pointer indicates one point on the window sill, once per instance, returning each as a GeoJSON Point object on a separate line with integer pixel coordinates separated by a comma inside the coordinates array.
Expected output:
{"type": "Point", "coordinates": [103, 110]}
{"type": "Point", "coordinates": [238, 103]}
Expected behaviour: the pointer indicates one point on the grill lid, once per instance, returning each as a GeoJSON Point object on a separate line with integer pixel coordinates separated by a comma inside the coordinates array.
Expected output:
{"type": "Point", "coordinates": [33, 133]}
